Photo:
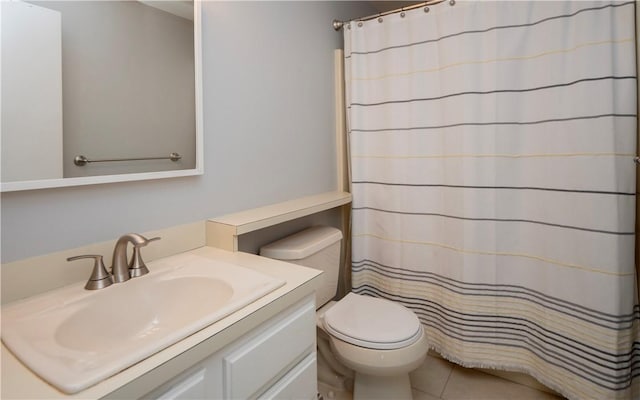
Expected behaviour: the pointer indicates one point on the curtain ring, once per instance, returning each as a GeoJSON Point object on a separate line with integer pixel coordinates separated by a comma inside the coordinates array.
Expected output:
{"type": "Point", "coordinates": [636, 160]}
{"type": "Point", "coordinates": [452, 2]}
{"type": "Point", "coordinates": [426, 9]}
{"type": "Point", "coordinates": [402, 14]}
{"type": "Point", "coordinates": [380, 19]}
{"type": "Point", "coordinates": [360, 24]}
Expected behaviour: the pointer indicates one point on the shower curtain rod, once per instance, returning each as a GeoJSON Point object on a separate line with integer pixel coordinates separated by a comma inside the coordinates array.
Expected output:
{"type": "Point", "coordinates": [337, 24]}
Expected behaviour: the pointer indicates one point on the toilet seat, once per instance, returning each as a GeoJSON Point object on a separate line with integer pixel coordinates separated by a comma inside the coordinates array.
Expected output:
{"type": "Point", "coordinates": [372, 323]}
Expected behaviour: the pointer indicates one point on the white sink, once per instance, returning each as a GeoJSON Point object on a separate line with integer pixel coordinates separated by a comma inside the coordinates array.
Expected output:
{"type": "Point", "coordinates": [74, 338]}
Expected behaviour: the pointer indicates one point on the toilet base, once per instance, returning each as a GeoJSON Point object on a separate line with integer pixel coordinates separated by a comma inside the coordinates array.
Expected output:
{"type": "Point", "coordinates": [370, 387]}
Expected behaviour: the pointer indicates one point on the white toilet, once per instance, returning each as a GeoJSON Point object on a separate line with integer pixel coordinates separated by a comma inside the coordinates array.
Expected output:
{"type": "Point", "coordinates": [380, 340]}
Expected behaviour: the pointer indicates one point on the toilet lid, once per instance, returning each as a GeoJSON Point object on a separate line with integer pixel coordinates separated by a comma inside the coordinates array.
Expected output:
{"type": "Point", "coordinates": [372, 323]}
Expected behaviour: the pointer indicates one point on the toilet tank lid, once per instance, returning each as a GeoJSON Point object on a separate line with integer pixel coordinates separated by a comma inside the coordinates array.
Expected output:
{"type": "Point", "coordinates": [302, 244]}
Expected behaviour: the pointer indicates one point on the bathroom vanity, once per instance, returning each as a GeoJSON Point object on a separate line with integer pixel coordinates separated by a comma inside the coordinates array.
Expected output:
{"type": "Point", "coordinates": [275, 360]}
{"type": "Point", "coordinates": [264, 350]}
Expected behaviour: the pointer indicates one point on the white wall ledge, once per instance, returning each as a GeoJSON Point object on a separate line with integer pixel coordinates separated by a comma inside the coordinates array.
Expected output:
{"type": "Point", "coordinates": [223, 231]}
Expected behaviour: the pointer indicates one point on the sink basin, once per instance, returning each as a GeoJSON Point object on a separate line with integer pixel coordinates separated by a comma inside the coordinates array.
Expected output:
{"type": "Point", "coordinates": [74, 338]}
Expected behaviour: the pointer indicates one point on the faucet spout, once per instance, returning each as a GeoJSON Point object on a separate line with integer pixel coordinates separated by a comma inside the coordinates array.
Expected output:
{"type": "Point", "coordinates": [120, 267]}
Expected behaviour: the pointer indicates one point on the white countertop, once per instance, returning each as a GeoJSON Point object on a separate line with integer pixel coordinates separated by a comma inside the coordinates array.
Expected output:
{"type": "Point", "coordinates": [18, 382]}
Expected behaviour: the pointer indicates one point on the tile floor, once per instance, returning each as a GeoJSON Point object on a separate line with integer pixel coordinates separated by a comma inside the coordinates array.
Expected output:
{"type": "Point", "coordinates": [439, 379]}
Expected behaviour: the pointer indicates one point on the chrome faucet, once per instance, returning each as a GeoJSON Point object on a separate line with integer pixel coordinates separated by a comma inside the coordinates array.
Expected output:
{"type": "Point", "coordinates": [120, 267]}
{"type": "Point", "coordinates": [120, 270]}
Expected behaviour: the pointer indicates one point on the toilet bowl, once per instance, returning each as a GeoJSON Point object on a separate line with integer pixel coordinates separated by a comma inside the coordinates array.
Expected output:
{"type": "Point", "coordinates": [380, 340]}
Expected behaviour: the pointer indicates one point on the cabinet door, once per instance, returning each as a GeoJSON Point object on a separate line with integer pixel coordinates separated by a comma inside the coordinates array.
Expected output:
{"type": "Point", "coordinates": [299, 383]}
{"type": "Point", "coordinates": [189, 386]}
{"type": "Point", "coordinates": [264, 358]}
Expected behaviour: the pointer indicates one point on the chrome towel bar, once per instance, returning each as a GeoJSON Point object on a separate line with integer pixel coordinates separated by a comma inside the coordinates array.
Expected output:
{"type": "Point", "coordinates": [82, 160]}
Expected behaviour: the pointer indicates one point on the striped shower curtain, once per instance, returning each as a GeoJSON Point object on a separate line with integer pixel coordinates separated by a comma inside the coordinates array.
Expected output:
{"type": "Point", "coordinates": [493, 180]}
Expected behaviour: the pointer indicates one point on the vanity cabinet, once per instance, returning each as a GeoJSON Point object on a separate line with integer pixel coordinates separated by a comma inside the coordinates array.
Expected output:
{"type": "Point", "coordinates": [276, 360]}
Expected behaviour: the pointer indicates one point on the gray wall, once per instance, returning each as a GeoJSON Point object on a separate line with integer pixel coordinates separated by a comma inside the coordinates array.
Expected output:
{"type": "Point", "coordinates": [268, 125]}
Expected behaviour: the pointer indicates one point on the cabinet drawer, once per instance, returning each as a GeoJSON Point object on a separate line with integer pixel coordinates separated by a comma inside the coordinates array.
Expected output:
{"type": "Point", "coordinates": [273, 351]}
{"type": "Point", "coordinates": [299, 383]}
{"type": "Point", "coordinates": [189, 386]}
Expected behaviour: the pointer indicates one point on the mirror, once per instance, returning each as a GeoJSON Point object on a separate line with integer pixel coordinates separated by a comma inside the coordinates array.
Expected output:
{"type": "Point", "coordinates": [99, 91]}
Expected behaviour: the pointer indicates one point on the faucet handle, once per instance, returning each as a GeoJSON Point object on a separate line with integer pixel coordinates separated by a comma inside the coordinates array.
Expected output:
{"type": "Point", "coordinates": [153, 239]}
{"type": "Point", "coordinates": [100, 278]}
{"type": "Point", "coordinates": [137, 267]}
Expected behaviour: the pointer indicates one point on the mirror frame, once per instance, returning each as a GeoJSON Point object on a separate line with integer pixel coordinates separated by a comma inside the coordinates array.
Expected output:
{"type": "Point", "coordinates": [100, 179]}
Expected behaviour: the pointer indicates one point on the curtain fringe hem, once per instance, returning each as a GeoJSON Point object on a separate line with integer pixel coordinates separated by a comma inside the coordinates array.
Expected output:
{"type": "Point", "coordinates": [502, 367]}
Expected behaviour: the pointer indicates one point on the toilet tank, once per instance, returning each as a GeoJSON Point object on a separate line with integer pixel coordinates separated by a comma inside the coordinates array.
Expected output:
{"type": "Point", "coordinates": [317, 247]}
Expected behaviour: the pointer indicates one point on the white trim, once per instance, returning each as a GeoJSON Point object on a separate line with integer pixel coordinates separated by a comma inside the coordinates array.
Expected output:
{"type": "Point", "coordinates": [93, 180]}
{"type": "Point", "coordinates": [338, 65]}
